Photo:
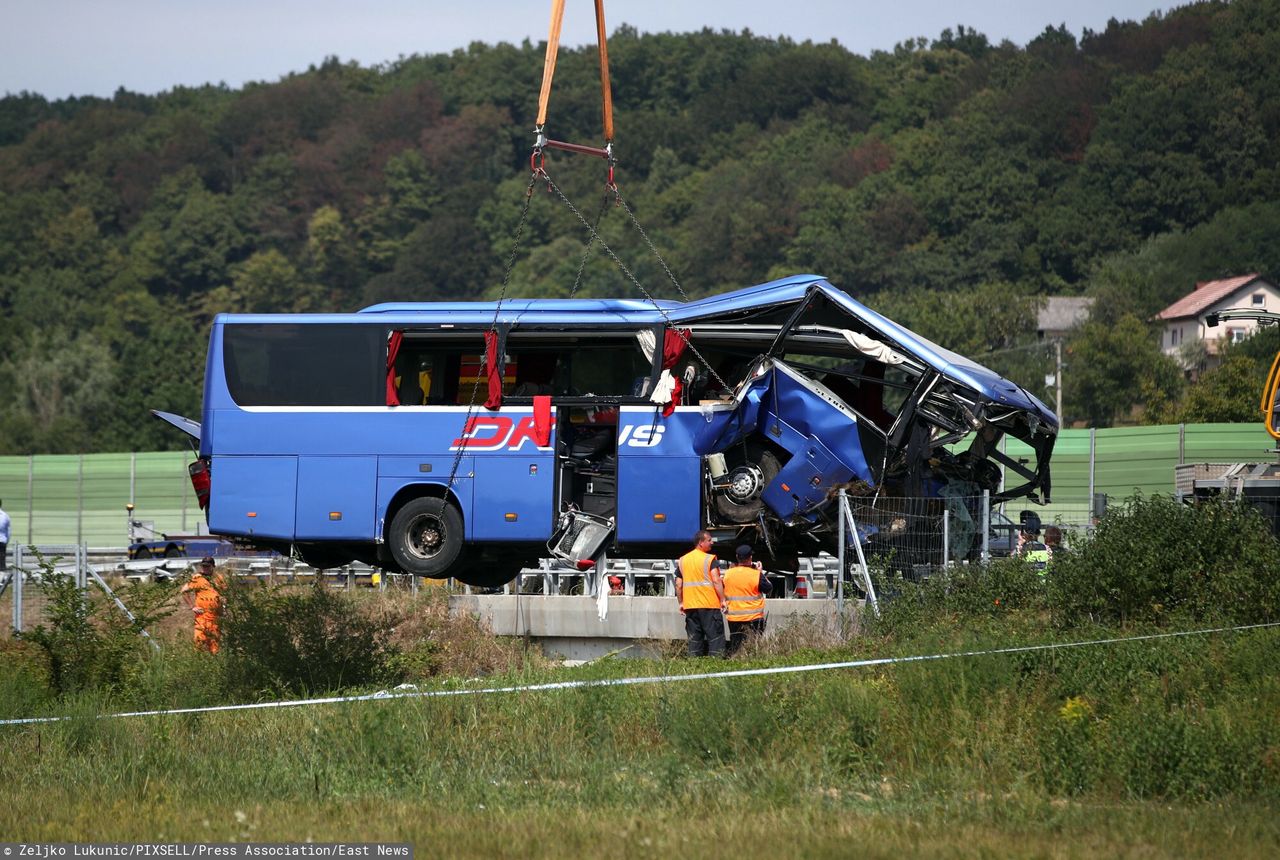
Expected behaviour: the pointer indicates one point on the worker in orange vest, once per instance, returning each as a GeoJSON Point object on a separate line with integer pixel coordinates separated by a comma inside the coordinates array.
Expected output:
{"type": "Point", "coordinates": [701, 596]}
{"type": "Point", "coordinates": [203, 596]}
{"type": "Point", "coordinates": [745, 586]}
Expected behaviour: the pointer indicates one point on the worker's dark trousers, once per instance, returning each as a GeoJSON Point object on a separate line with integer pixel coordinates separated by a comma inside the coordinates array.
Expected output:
{"type": "Point", "coordinates": [4, 548]}
{"type": "Point", "coordinates": [740, 630]}
{"type": "Point", "coordinates": [705, 629]}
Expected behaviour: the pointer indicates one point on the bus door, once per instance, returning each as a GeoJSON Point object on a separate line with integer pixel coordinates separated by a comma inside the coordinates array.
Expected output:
{"type": "Point", "coordinates": [659, 476]}
{"type": "Point", "coordinates": [596, 377]}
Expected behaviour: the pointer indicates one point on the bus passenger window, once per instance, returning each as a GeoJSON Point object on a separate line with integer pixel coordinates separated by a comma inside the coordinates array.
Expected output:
{"type": "Point", "coordinates": [534, 372]}
{"type": "Point", "coordinates": [414, 378]}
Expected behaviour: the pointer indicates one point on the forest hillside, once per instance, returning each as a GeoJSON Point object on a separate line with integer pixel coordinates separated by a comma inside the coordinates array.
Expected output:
{"type": "Point", "coordinates": [951, 183]}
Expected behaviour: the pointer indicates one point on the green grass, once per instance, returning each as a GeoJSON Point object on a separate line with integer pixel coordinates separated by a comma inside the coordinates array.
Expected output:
{"type": "Point", "coordinates": [1172, 749]}
{"type": "Point", "coordinates": [1161, 748]}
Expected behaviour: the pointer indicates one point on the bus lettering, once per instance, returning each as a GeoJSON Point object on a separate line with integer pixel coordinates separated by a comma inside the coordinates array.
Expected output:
{"type": "Point", "coordinates": [496, 433]}
{"type": "Point", "coordinates": [643, 436]}
{"type": "Point", "coordinates": [498, 426]}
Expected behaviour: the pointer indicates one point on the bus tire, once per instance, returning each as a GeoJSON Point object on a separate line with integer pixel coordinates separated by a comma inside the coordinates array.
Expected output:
{"type": "Point", "coordinates": [172, 551]}
{"type": "Point", "coordinates": [426, 536]}
{"type": "Point", "coordinates": [758, 466]}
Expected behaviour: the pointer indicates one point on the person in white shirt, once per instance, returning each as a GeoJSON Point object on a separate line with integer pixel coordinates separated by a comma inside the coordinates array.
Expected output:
{"type": "Point", "coordinates": [4, 538]}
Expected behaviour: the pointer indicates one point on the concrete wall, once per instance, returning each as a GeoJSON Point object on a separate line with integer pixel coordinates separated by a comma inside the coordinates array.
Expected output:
{"type": "Point", "coordinates": [570, 626]}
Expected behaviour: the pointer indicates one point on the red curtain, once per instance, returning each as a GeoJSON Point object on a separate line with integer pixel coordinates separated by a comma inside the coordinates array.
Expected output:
{"type": "Point", "coordinates": [393, 350]}
{"type": "Point", "coordinates": [542, 420]}
{"type": "Point", "coordinates": [493, 370]}
{"type": "Point", "coordinates": [673, 346]}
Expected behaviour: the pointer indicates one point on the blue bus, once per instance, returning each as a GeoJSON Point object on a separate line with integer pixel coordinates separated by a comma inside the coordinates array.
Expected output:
{"type": "Point", "coordinates": [455, 438]}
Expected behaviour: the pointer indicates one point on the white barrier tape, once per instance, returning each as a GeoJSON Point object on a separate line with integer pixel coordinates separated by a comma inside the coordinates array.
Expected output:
{"type": "Point", "coordinates": [384, 695]}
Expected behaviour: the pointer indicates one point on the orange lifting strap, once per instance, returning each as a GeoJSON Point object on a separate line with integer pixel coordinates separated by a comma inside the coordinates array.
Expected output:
{"type": "Point", "coordinates": [548, 72]}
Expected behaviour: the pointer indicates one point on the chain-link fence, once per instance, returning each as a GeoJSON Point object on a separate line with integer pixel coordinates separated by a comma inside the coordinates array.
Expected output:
{"type": "Point", "coordinates": [915, 537]}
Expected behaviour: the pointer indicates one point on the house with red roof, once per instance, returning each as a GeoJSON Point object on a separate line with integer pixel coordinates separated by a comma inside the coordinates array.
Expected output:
{"type": "Point", "coordinates": [1185, 335]}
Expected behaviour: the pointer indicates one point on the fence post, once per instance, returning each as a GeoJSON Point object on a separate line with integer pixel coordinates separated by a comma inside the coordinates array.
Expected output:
{"type": "Point", "coordinates": [31, 475]}
{"type": "Point", "coordinates": [1182, 444]}
{"type": "Point", "coordinates": [1093, 458]}
{"type": "Point", "coordinates": [133, 479]}
{"type": "Point", "coordinates": [946, 538]}
{"type": "Point", "coordinates": [1002, 451]}
{"type": "Point", "coordinates": [841, 504]}
{"type": "Point", "coordinates": [986, 526]}
{"type": "Point", "coordinates": [79, 499]}
{"type": "Point", "coordinates": [16, 579]}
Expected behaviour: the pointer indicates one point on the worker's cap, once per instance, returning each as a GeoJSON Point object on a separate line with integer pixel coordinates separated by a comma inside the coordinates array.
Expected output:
{"type": "Point", "coordinates": [207, 560]}
{"type": "Point", "coordinates": [744, 552]}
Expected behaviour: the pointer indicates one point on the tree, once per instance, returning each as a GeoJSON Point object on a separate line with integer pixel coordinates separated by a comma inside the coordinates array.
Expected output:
{"type": "Point", "coordinates": [1115, 369]}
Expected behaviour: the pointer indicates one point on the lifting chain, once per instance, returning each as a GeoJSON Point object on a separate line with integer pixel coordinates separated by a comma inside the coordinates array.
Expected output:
{"type": "Point", "coordinates": [537, 172]}
{"type": "Point", "coordinates": [627, 272]}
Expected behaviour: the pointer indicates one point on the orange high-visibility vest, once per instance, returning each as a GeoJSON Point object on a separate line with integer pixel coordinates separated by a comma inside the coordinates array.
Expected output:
{"type": "Point", "coordinates": [742, 593]}
{"type": "Point", "coordinates": [699, 590]}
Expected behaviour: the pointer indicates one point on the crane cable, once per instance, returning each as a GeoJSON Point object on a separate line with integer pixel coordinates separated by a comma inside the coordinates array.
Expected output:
{"type": "Point", "coordinates": [537, 162]}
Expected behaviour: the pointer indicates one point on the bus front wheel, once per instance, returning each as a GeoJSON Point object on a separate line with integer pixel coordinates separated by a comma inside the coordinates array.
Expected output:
{"type": "Point", "coordinates": [426, 537]}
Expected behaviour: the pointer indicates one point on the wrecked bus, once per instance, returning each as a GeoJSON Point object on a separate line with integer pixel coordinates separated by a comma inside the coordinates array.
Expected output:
{"type": "Point", "coordinates": [451, 438]}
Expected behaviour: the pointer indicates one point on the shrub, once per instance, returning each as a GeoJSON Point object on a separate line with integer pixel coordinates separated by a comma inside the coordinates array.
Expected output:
{"type": "Point", "coordinates": [280, 640]}
{"type": "Point", "coordinates": [92, 644]}
{"type": "Point", "coordinates": [1153, 558]}
{"type": "Point", "coordinates": [975, 590]}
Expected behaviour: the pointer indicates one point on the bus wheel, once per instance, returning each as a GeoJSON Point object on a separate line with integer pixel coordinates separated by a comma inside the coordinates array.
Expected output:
{"type": "Point", "coordinates": [752, 467]}
{"type": "Point", "coordinates": [426, 537]}
{"type": "Point", "coordinates": [142, 552]}
{"type": "Point", "coordinates": [172, 552]}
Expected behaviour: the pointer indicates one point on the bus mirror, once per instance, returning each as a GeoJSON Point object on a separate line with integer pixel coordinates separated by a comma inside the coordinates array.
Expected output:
{"type": "Point", "coordinates": [1270, 408]}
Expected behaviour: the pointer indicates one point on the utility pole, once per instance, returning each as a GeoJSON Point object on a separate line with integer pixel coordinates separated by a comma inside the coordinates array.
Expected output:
{"type": "Point", "coordinates": [1057, 372]}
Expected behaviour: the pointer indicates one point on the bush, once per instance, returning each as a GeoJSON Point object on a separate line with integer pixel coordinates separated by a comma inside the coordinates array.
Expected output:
{"type": "Point", "coordinates": [1154, 558]}
{"type": "Point", "coordinates": [92, 644]}
{"type": "Point", "coordinates": [991, 590]}
{"type": "Point", "coordinates": [278, 640]}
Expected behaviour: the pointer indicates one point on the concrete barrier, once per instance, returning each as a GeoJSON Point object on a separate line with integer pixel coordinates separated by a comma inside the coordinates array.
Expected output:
{"type": "Point", "coordinates": [570, 625]}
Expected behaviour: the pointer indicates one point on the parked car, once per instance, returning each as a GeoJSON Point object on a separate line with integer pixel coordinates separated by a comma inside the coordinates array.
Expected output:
{"type": "Point", "coordinates": [188, 546]}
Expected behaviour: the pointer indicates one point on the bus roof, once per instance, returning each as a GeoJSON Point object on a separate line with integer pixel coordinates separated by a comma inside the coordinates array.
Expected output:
{"type": "Point", "coordinates": [637, 311]}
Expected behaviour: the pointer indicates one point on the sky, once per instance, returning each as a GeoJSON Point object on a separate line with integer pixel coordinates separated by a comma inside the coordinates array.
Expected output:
{"type": "Point", "coordinates": [60, 48]}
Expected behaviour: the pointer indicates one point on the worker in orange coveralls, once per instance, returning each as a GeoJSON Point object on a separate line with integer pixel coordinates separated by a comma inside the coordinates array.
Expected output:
{"type": "Point", "coordinates": [202, 595]}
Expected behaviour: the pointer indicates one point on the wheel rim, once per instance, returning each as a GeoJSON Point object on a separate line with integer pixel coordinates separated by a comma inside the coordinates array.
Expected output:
{"type": "Point", "coordinates": [746, 483]}
{"type": "Point", "coordinates": [427, 535]}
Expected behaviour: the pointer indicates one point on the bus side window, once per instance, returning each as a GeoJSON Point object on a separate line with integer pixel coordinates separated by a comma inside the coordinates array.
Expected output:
{"type": "Point", "coordinates": [1270, 408]}
{"type": "Point", "coordinates": [414, 375]}
{"type": "Point", "coordinates": [534, 372]}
